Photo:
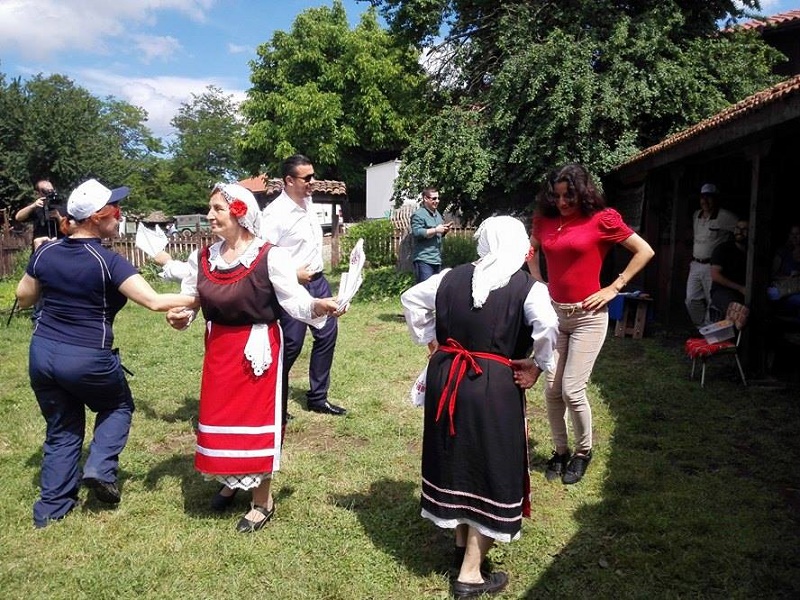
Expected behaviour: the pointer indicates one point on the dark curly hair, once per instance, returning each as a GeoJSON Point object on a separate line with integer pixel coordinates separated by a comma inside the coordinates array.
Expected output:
{"type": "Point", "coordinates": [581, 189]}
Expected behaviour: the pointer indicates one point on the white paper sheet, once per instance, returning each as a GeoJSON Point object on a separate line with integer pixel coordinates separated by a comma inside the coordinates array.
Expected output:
{"type": "Point", "coordinates": [351, 281]}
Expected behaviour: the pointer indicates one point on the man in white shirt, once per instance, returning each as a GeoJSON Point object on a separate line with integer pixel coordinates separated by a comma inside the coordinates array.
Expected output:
{"type": "Point", "coordinates": [712, 226]}
{"type": "Point", "coordinates": [290, 222]}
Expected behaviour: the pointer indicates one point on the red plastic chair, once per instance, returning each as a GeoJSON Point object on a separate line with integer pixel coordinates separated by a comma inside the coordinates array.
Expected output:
{"type": "Point", "coordinates": [702, 350]}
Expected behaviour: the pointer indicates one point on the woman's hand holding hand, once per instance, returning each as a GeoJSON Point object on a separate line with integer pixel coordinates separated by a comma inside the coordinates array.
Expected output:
{"type": "Point", "coordinates": [180, 318]}
{"type": "Point", "coordinates": [600, 298]}
{"type": "Point", "coordinates": [526, 372]}
{"type": "Point", "coordinates": [433, 346]}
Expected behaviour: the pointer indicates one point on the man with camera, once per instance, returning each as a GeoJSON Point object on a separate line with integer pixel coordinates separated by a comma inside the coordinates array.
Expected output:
{"type": "Point", "coordinates": [46, 212]}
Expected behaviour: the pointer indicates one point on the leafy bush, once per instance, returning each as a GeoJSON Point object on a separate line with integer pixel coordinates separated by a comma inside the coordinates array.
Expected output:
{"type": "Point", "coordinates": [378, 235]}
{"type": "Point", "coordinates": [151, 270]}
{"type": "Point", "coordinates": [383, 283]}
{"type": "Point", "coordinates": [458, 250]}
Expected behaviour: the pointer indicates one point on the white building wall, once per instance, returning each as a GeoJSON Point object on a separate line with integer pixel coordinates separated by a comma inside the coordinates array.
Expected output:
{"type": "Point", "coordinates": [380, 188]}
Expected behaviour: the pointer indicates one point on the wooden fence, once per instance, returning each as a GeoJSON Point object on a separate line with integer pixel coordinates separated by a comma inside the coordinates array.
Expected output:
{"type": "Point", "coordinates": [14, 244]}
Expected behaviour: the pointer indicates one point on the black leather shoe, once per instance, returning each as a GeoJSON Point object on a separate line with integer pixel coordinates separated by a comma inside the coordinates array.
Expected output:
{"type": "Point", "coordinates": [493, 584]}
{"type": "Point", "coordinates": [327, 408]}
{"type": "Point", "coordinates": [105, 491]}
{"type": "Point", "coordinates": [220, 502]}
{"type": "Point", "coordinates": [245, 525]}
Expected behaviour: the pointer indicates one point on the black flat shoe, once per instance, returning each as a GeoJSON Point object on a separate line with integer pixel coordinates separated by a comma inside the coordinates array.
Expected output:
{"type": "Point", "coordinates": [220, 503]}
{"type": "Point", "coordinates": [245, 525]}
{"type": "Point", "coordinates": [493, 584]}
{"type": "Point", "coordinates": [105, 491]}
{"type": "Point", "coordinates": [327, 408]}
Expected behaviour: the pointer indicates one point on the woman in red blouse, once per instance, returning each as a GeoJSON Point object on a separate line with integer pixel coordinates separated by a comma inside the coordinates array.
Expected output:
{"type": "Point", "coordinates": [575, 230]}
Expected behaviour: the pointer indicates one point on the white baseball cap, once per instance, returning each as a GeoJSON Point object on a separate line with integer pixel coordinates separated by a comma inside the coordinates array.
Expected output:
{"type": "Point", "coordinates": [708, 189]}
{"type": "Point", "coordinates": [91, 196]}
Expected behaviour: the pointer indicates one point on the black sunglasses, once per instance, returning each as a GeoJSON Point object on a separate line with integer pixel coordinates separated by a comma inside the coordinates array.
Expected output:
{"type": "Point", "coordinates": [306, 178]}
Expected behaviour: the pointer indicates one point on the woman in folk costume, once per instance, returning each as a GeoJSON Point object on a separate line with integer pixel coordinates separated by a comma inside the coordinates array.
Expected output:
{"type": "Point", "coordinates": [480, 322]}
{"type": "Point", "coordinates": [241, 283]}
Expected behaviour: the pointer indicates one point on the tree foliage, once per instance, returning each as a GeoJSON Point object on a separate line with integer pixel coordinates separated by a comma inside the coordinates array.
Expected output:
{"type": "Point", "coordinates": [49, 127]}
{"type": "Point", "coordinates": [577, 80]}
{"type": "Point", "coordinates": [205, 149]}
{"type": "Point", "coordinates": [346, 98]}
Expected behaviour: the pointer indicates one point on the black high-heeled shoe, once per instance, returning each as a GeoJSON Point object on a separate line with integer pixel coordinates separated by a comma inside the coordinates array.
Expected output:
{"type": "Point", "coordinates": [245, 525]}
{"type": "Point", "coordinates": [220, 503]}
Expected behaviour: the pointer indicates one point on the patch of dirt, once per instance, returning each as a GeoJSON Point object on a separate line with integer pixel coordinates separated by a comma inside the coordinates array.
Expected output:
{"type": "Point", "coordinates": [176, 443]}
{"type": "Point", "coordinates": [321, 437]}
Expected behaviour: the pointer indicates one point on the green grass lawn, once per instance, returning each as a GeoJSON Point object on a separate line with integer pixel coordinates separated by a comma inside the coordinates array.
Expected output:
{"type": "Point", "coordinates": [692, 493]}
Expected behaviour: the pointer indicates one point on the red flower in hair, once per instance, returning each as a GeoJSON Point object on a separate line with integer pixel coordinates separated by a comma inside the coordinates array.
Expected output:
{"type": "Point", "coordinates": [238, 208]}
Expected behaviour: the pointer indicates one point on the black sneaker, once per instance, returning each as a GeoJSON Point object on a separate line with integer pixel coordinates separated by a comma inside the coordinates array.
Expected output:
{"type": "Point", "coordinates": [576, 468]}
{"type": "Point", "coordinates": [556, 466]}
{"type": "Point", "coordinates": [105, 491]}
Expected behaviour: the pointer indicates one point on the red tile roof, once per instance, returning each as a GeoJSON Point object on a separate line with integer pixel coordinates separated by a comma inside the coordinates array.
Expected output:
{"type": "Point", "coordinates": [260, 183]}
{"type": "Point", "coordinates": [791, 17]}
{"type": "Point", "coordinates": [785, 90]}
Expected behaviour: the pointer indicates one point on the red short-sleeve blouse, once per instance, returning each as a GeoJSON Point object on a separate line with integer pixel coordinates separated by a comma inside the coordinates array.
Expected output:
{"type": "Point", "coordinates": [575, 252]}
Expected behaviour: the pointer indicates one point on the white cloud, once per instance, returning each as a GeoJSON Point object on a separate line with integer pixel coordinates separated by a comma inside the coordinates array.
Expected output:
{"type": "Point", "coordinates": [37, 29]}
{"type": "Point", "coordinates": [152, 47]}
{"type": "Point", "coordinates": [161, 97]}
{"type": "Point", "coordinates": [237, 49]}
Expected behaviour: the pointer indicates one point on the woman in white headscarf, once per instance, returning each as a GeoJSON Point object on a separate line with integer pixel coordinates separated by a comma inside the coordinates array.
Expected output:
{"type": "Point", "coordinates": [480, 322]}
{"type": "Point", "coordinates": [242, 282]}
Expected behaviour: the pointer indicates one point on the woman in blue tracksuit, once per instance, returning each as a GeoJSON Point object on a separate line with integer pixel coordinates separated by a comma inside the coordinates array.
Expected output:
{"type": "Point", "coordinates": [72, 363]}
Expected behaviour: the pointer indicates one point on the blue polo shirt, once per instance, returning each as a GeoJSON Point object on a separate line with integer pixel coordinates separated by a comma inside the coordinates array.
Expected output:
{"type": "Point", "coordinates": [80, 295]}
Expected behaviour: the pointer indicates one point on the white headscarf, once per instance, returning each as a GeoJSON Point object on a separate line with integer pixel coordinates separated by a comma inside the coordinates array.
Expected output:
{"type": "Point", "coordinates": [503, 244]}
{"type": "Point", "coordinates": [233, 191]}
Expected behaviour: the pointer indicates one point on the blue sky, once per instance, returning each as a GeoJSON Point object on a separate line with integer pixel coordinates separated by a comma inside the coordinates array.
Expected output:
{"type": "Point", "coordinates": [156, 53]}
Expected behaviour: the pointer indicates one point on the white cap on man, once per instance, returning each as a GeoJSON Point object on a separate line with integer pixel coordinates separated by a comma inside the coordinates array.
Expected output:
{"type": "Point", "coordinates": [91, 196]}
{"type": "Point", "coordinates": [708, 189]}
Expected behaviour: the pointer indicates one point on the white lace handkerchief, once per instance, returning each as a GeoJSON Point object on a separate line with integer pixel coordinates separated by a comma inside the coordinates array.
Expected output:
{"type": "Point", "coordinates": [257, 349]}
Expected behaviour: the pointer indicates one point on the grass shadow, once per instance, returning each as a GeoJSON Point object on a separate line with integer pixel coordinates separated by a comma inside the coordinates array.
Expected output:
{"type": "Point", "coordinates": [186, 411]}
{"type": "Point", "coordinates": [419, 546]}
{"type": "Point", "coordinates": [391, 317]}
{"type": "Point", "coordinates": [697, 498]}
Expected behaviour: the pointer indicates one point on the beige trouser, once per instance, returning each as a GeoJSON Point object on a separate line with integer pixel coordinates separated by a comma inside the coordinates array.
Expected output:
{"type": "Point", "coordinates": [580, 336]}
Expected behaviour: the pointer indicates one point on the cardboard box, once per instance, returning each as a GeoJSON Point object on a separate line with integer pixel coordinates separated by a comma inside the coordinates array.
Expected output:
{"type": "Point", "coordinates": [718, 332]}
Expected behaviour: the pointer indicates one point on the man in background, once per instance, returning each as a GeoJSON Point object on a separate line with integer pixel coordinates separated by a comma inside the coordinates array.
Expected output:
{"type": "Point", "coordinates": [711, 226]}
{"type": "Point", "coordinates": [46, 212]}
{"type": "Point", "coordinates": [427, 229]}
{"type": "Point", "coordinates": [729, 271]}
{"type": "Point", "coordinates": [290, 222]}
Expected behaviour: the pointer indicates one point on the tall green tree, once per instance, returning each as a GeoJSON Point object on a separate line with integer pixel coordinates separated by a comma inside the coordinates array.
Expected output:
{"type": "Point", "coordinates": [205, 150]}
{"type": "Point", "coordinates": [587, 81]}
{"type": "Point", "coordinates": [344, 97]}
{"type": "Point", "coordinates": [49, 127]}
